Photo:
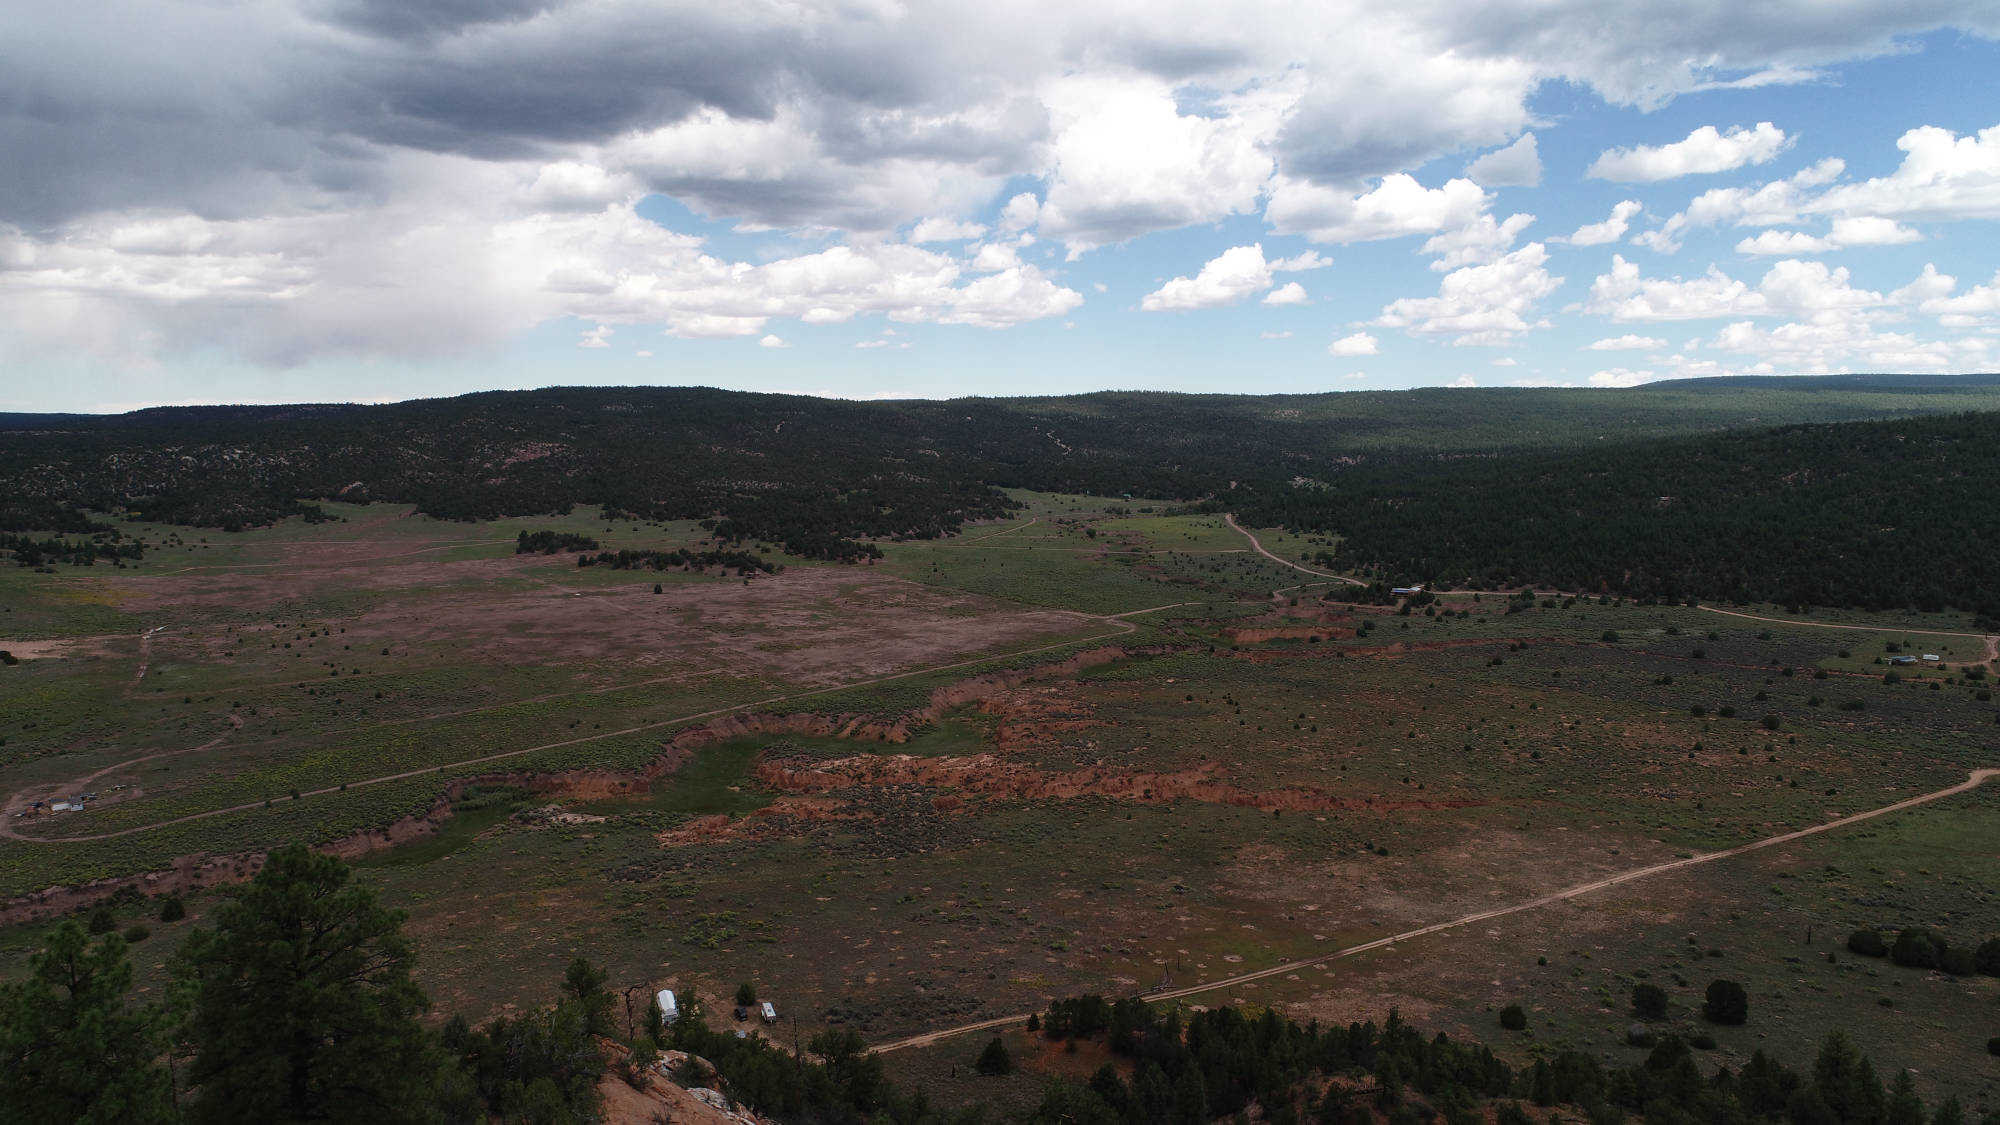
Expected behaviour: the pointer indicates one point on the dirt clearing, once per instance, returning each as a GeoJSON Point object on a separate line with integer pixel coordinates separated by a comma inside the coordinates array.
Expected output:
{"type": "Point", "coordinates": [809, 625]}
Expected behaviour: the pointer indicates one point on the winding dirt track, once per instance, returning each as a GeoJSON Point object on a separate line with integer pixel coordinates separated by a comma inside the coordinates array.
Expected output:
{"type": "Point", "coordinates": [145, 656]}
{"type": "Point", "coordinates": [1230, 519]}
{"type": "Point", "coordinates": [1121, 627]}
{"type": "Point", "coordinates": [1992, 642]}
{"type": "Point", "coordinates": [1032, 521]}
{"type": "Point", "coordinates": [1974, 780]}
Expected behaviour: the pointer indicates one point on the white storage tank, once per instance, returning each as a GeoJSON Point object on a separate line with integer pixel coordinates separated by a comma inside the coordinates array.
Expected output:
{"type": "Point", "coordinates": [669, 1009]}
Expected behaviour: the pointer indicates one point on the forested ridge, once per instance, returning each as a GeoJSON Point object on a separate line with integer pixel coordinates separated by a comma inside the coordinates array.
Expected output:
{"type": "Point", "coordinates": [1420, 484]}
{"type": "Point", "coordinates": [1874, 514]}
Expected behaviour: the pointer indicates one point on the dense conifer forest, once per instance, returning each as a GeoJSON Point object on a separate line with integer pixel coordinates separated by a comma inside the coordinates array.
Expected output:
{"type": "Point", "coordinates": [1788, 490]}
{"type": "Point", "coordinates": [1874, 514]}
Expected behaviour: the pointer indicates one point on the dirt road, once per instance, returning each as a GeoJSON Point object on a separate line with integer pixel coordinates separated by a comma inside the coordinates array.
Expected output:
{"type": "Point", "coordinates": [1976, 778]}
{"type": "Point", "coordinates": [1006, 530]}
{"type": "Point", "coordinates": [1992, 642]}
{"type": "Point", "coordinates": [1230, 519]}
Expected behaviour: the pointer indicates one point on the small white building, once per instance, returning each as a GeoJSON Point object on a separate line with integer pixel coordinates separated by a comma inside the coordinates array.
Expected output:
{"type": "Point", "coordinates": [1930, 658]}
{"type": "Point", "coordinates": [670, 1010]}
{"type": "Point", "coordinates": [770, 1012]}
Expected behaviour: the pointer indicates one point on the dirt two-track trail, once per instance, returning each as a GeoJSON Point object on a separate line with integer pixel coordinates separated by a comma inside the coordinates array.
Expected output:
{"type": "Point", "coordinates": [1973, 781]}
{"type": "Point", "coordinates": [1992, 642]}
{"type": "Point", "coordinates": [1257, 545]}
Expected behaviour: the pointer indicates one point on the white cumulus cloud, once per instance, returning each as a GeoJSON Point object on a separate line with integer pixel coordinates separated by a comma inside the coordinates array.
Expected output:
{"type": "Point", "coordinates": [1943, 177]}
{"type": "Point", "coordinates": [1621, 377]}
{"type": "Point", "coordinates": [1396, 207]}
{"type": "Point", "coordinates": [1231, 276]}
{"type": "Point", "coordinates": [945, 230]}
{"type": "Point", "coordinates": [1357, 343]}
{"type": "Point", "coordinates": [1517, 165]}
{"type": "Point", "coordinates": [1625, 343]}
{"type": "Point", "coordinates": [1479, 305]}
{"type": "Point", "coordinates": [1127, 162]}
{"type": "Point", "coordinates": [1777, 203]}
{"type": "Point", "coordinates": [1477, 242]}
{"type": "Point", "coordinates": [1704, 151]}
{"type": "Point", "coordinates": [1846, 231]}
{"type": "Point", "coordinates": [1610, 230]}
{"type": "Point", "coordinates": [1789, 287]}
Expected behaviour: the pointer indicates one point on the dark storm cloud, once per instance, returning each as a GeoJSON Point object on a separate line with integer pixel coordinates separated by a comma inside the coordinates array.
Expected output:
{"type": "Point", "coordinates": [235, 109]}
{"type": "Point", "coordinates": [424, 19]}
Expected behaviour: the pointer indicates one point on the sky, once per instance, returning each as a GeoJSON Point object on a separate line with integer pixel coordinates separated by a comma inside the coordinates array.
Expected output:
{"type": "Point", "coordinates": [207, 201]}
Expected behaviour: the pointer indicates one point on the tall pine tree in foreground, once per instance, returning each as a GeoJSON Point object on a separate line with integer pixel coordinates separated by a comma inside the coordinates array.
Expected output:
{"type": "Point", "coordinates": [302, 1003]}
{"type": "Point", "coordinates": [71, 1048]}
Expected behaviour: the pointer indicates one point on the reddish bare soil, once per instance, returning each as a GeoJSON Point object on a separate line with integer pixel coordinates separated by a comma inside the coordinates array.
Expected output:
{"type": "Point", "coordinates": [990, 777]}
{"type": "Point", "coordinates": [203, 870]}
{"type": "Point", "coordinates": [809, 625]}
{"type": "Point", "coordinates": [1259, 635]}
{"type": "Point", "coordinates": [63, 647]}
{"type": "Point", "coordinates": [1392, 651]}
{"type": "Point", "coordinates": [656, 1099]}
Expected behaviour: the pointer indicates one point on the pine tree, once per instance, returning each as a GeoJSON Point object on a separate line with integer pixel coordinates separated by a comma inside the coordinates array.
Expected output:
{"type": "Point", "coordinates": [1905, 1107]}
{"type": "Point", "coordinates": [656, 1020]}
{"type": "Point", "coordinates": [1152, 1091]}
{"type": "Point", "coordinates": [584, 982]}
{"type": "Point", "coordinates": [1190, 1097]}
{"type": "Point", "coordinates": [71, 1048]}
{"type": "Point", "coordinates": [994, 1059]}
{"type": "Point", "coordinates": [303, 1006]}
{"type": "Point", "coordinates": [1846, 1080]}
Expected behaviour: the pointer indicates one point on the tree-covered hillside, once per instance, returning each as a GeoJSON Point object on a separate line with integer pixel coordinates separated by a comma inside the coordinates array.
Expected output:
{"type": "Point", "coordinates": [1877, 514]}
{"type": "Point", "coordinates": [1427, 482]}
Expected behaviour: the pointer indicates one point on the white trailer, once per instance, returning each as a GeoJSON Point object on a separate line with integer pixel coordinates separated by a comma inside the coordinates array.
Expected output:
{"type": "Point", "coordinates": [669, 1009]}
{"type": "Point", "coordinates": [770, 1012]}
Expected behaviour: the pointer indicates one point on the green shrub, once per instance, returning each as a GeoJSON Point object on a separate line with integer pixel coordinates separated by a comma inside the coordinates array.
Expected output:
{"type": "Point", "coordinates": [1958, 961]}
{"type": "Point", "coordinates": [746, 994]}
{"type": "Point", "coordinates": [172, 909]}
{"type": "Point", "coordinates": [1513, 1018]}
{"type": "Point", "coordinates": [1987, 957]}
{"type": "Point", "coordinates": [1917, 948]}
{"type": "Point", "coordinates": [1726, 1003]}
{"type": "Point", "coordinates": [1649, 1001]}
{"type": "Point", "coordinates": [136, 933]}
{"type": "Point", "coordinates": [1867, 943]}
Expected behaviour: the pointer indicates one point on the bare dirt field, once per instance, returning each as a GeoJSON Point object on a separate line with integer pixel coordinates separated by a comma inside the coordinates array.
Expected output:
{"type": "Point", "coordinates": [807, 625]}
